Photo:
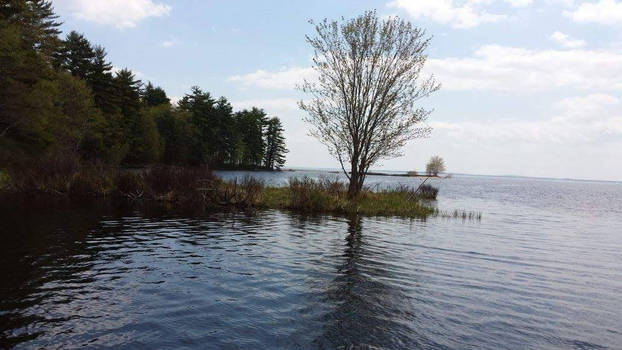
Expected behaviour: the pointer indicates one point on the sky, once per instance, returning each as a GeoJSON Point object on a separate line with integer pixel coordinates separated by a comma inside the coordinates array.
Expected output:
{"type": "Point", "coordinates": [529, 87]}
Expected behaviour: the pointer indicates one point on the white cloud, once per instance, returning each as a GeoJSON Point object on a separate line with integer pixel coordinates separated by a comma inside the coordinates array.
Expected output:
{"type": "Point", "coordinates": [519, 3]}
{"type": "Point", "coordinates": [581, 138]}
{"type": "Point", "coordinates": [590, 119]}
{"type": "Point", "coordinates": [603, 12]}
{"type": "Point", "coordinates": [168, 43]}
{"type": "Point", "coordinates": [273, 106]}
{"type": "Point", "coordinates": [564, 3]}
{"type": "Point", "coordinates": [594, 107]}
{"type": "Point", "coordinates": [465, 15]}
{"type": "Point", "coordinates": [565, 41]}
{"type": "Point", "coordinates": [118, 13]}
{"type": "Point", "coordinates": [175, 100]}
{"type": "Point", "coordinates": [494, 67]}
{"type": "Point", "coordinates": [286, 78]}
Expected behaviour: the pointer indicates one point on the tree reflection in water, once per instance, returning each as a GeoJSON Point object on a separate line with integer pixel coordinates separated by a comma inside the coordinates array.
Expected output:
{"type": "Point", "coordinates": [368, 311]}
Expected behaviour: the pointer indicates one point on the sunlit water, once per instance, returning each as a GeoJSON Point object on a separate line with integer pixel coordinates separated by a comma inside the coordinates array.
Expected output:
{"type": "Point", "coordinates": [541, 270]}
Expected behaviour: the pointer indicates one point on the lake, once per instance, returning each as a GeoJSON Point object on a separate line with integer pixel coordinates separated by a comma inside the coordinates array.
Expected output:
{"type": "Point", "coordinates": [542, 269]}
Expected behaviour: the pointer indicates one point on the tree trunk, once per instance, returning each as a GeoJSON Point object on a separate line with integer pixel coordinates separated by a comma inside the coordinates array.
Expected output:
{"type": "Point", "coordinates": [353, 189]}
{"type": "Point", "coordinates": [356, 182]}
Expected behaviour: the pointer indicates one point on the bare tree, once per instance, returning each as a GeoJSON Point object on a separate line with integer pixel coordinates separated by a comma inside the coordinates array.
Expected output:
{"type": "Point", "coordinates": [435, 166]}
{"type": "Point", "coordinates": [362, 104]}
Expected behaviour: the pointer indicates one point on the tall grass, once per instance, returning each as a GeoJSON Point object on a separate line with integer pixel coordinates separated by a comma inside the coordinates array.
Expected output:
{"type": "Point", "coordinates": [327, 195]}
{"type": "Point", "coordinates": [243, 194]}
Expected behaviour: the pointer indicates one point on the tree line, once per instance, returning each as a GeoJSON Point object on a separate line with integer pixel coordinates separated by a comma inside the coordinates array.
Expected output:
{"type": "Point", "coordinates": [62, 96]}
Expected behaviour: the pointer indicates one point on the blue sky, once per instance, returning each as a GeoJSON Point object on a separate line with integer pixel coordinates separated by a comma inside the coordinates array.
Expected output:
{"type": "Point", "coordinates": [530, 87]}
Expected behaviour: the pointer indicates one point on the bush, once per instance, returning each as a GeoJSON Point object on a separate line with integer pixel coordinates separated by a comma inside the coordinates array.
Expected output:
{"type": "Point", "coordinates": [130, 184]}
{"type": "Point", "coordinates": [309, 195]}
{"type": "Point", "coordinates": [5, 180]}
{"type": "Point", "coordinates": [93, 180]}
{"type": "Point", "coordinates": [163, 179]}
{"type": "Point", "coordinates": [427, 192]}
{"type": "Point", "coordinates": [332, 185]}
{"type": "Point", "coordinates": [242, 194]}
{"type": "Point", "coordinates": [52, 173]}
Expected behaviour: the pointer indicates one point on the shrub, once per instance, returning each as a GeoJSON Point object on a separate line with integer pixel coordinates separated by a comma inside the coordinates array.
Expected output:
{"type": "Point", "coordinates": [5, 180]}
{"type": "Point", "coordinates": [427, 192]}
{"type": "Point", "coordinates": [52, 173]}
{"type": "Point", "coordinates": [332, 185]}
{"type": "Point", "coordinates": [251, 190]}
{"type": "Point", "coordinates": [130, 184]}
{"type": "Point", "coordinates": [309, 195]}
{"type": "Point", "coordinates": [93, 180]}
{"type": "Point", "coordinates": [234, 193]}
{"type": "Point", "coordinates": [163, 179]}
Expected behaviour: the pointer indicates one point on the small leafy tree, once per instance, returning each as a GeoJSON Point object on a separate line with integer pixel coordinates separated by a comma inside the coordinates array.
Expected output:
{"type": "Point", "coordinates": [435, 165]}
{"type": "Point", "coordinates": [363, 105]}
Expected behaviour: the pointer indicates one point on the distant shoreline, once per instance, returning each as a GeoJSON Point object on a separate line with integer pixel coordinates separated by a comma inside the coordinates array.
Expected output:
{"type": "Point", "coordinates": [374, 173]}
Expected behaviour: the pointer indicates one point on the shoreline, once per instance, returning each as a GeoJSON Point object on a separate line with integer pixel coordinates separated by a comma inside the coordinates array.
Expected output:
{"type": "Point", "coordinates": [374, 173]}
{"type": "Point", "coordinates": [202, 189]}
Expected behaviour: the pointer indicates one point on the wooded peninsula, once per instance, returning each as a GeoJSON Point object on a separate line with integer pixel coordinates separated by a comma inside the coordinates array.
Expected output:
{"type": "Point", "coordinates": [61, 98]}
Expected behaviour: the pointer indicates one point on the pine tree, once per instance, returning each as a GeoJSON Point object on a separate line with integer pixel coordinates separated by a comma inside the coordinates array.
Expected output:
{"type": "Point", "coordinates": [201, 107]}
{"type": "Point", "coordinates": [222, 132]}
{"type": "Point", "coordinates": [154, 96]}
{"type": "Point", "coordinates": [250, 124]}
{"type": "Point", "coordinates": [38, 23]}
{"type": "Point", "coordinates": [274, 157]}
{"type": "Point", "coordinates": [127, 91]}
{"type": "Point", "coordinates": [101, 81]}
{"type": "Point", "coordinates": [127, 96]}
{"type": "Point", "coordinates": [61, 96]}
{"type": "Point", "coordinates": [28, 86]}
{"type": "Point", "coordinates": [76, 55]}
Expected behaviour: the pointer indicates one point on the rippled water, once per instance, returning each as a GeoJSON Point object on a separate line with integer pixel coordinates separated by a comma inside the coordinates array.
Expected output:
{"type": "Point", "coordinates": [541, 270]}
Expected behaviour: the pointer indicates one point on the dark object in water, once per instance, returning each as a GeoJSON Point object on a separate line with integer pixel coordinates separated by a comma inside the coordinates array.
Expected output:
{"type": "Point", "coordinates": [427, 192]}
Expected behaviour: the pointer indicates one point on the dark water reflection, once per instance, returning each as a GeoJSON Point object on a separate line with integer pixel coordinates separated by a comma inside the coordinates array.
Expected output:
{"type": "Point", "coordinates": [101, 275]}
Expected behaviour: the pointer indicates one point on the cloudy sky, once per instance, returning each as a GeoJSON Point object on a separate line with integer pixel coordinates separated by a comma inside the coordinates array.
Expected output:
{"type": "Point", "coordinates": [529, 87]}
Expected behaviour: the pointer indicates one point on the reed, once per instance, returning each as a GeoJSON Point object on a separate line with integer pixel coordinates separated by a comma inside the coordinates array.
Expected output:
{"type": "Point", "coordinates": [330, 196]}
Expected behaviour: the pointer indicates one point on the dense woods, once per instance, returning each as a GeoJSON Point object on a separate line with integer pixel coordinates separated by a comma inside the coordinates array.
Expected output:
{"type": "Point", "coordinates": [60, 97]}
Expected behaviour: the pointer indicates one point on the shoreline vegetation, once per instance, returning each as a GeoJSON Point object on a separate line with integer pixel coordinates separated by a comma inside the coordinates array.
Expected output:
{"type": "Point", "coordinates": [71, 126]}
{"type": "Point", "coordinates": [199, 188]}
{"type": "Point", "coordinates": [61, 97]}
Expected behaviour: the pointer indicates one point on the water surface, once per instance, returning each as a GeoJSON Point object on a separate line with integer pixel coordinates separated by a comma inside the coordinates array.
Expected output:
{"type": "Point", "coordinates": [541, 270]}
